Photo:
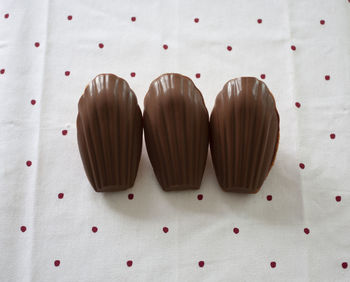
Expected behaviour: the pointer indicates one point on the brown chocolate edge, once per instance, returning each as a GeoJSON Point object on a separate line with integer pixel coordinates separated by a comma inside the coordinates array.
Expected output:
{"type": "Point", "coordinates": [278, 136]}
{"type": "Point", "coordinates": [169, 73]}
{"type": "Point", "coordinates": [111, 74]}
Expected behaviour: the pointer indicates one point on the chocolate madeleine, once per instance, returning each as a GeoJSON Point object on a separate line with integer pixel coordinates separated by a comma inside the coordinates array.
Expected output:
{"type": "Point", "coordinates": [109, 126]}
{"type": "Point", "coordinates": [244, 134]}
{"type": "Point", "coordinates": [176, 126]}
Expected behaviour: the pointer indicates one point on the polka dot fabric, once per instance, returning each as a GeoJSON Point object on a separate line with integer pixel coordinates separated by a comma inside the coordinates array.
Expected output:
{"type": "Point", "coordinates": [54, 227]}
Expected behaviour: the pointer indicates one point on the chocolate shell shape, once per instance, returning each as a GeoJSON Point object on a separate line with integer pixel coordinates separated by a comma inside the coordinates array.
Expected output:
{"type": "Point", "coordinates": [244, 134]}
{"type": "Point", "coordinates": [176, 126]}
{"type": "Point", "coordinates": [109, 126]}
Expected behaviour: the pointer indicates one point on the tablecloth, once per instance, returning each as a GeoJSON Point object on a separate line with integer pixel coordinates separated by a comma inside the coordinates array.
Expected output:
{"type": "Point", "coordinates": [54, 227]}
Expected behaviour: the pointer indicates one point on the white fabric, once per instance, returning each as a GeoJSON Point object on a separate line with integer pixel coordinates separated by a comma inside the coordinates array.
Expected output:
{"type": "Point", "coordinates": [60, 229]}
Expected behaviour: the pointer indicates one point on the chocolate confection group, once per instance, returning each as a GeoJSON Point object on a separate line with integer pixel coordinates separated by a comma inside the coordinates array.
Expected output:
{"type": "Point", "coordinates": [242, 131]}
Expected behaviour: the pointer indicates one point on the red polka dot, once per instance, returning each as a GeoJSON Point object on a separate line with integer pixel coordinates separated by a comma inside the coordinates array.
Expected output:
{"type": "Point", "coordinates": [129, 263]}
{"type": "Point", "coordinates": [229, 48]}
{"type": "Point", "coordinates": [200, 197]}
{"type": "Point", "coordinates": [131, 196]}
{"type": "Point", "coordinates": [101, 45]}
{"type": "Point", "coordinates": [67, 73]}
{"type": "Point", "coordinates": [344, 265]}
{"type": "Point", "coordinates": [6, 16]}
{"type": "Point", "coordinates": [198, 75]}
{"type": "Point", "coordinates": [262, 76]}
{"type": "Point", "coordinates": [235, 230]}
{"type": "Point", "coordinates": [327, 77]}
{"type": "Point", "coordinates": [301, 165]}
{"type": "Point", "coordinates": [94, 229]}
{"type": "Point", "coordinates": [201, 263]}
{"type": "Point", "coordinates": [338, 198]}
{"type": "Point", "coordinates": [60, 195]}
{"type": "Point", "coordinates": [196, 20]}
{"type": "Point", "coordinates": [36, 44]}
{"type": "Point", "coordinates": [306, 231]}
{"type": "Point", "coordinates": [57, 263]}
{"type": "Point", "coordinates": [2, 71]}
{"type": "Point", "coordinates": [293, 47]}
{"type": "Point", "coordinates": [132, 74]}
{"type": "Point", "coordinates": [332, 135]}
{"type": "Point", "coordinates": [28, 163]}
{"type": "Point", "coordinates": [23, 228]}
{"type": "Point", "coordinates": [165, 46]}
{"type": "Point", "coordinates": [273, 264]}
{"type": "Point", "coordinates": [269, 197]}
{"type": "Point", "coordinates": [33, 102]}
{"type": "Point", "coordinates": [133, 19]}
{"type": "Point", "coordinates": [297, 104]}
{"type": "Point", "coordinates": [64, 132]}
{"type": "Point", "coordinates": [165, 229]}
{"type": "Point", "coordinates": [69, 17]}
{"type": "Point", "coordinates": [322, 22]}
{"type": "Point", "coordinates": [259, 21]}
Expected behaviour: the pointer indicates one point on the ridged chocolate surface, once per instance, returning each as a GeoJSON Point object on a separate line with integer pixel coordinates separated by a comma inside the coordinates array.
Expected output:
{"type": "Point", "coordinates": [176, 127]}
{"type": "Point", "coordinates": [244, 134]}
{"type": "Point", "coordinates": [109, 126]}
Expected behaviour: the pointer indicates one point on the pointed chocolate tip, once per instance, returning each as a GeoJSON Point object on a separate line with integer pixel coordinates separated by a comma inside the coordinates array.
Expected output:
{"type": "Point", "coordinates": [244, 134]}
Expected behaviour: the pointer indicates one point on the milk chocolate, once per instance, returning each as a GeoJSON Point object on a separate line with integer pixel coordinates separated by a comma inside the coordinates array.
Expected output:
{"type": "Point", "coordinates": [109, 127]}
{"type": "Point", "coordinates": [176, 124]}
{"type": "Point", "coordinates": [244, 134]}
